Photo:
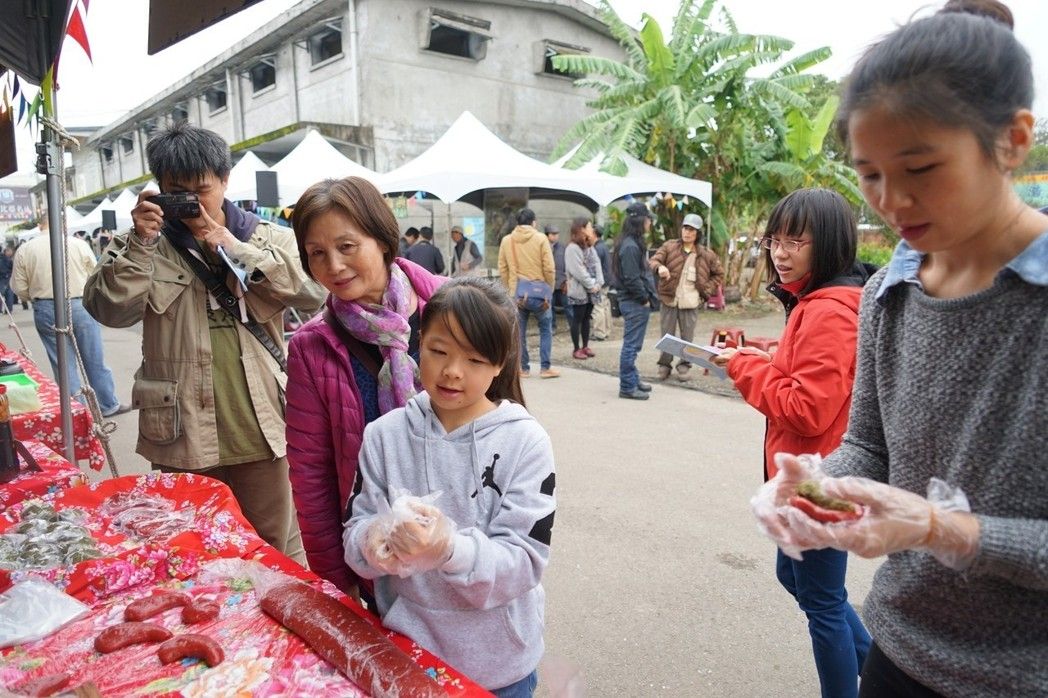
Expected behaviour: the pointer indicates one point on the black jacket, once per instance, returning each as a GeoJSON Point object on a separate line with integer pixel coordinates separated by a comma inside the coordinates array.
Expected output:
{"type": "Point", "coordinates": [632, 275]}
{"type": "Point", "coordinates": [427, 256]}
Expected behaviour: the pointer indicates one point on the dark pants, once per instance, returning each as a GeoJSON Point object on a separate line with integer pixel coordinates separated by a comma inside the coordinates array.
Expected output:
{"type": "Point", "coordinates": [881, 678]}
{"type": "Point", "coordinates": [521, 689]}
{"type": "Point", "coordinates": [579, 320]}
{"type": "Point", "coordinates": [635, 324]}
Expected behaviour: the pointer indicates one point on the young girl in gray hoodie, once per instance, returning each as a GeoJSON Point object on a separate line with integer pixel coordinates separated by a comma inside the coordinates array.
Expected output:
{"type": "Point", "coordinates": [463, 578]}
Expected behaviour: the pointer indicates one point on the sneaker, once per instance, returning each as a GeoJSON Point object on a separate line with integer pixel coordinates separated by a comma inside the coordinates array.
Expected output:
{"type": "Point", "coordinates": [635, 395]}
{"type": "Point", "coordinates": [643, 387]}
{"type": "Point", "coordinates": [525, 373]}
{"type": "Point", "coordinates": [579, 354]}
{"type": "Point", "coordinates": [122, 408]}
{"type": "Point", "coordinates": [589, 352]}
{"type": "Point", "coordinates": [549, 373]}
{"type": "Point", "coordinates": [599, 339]}
{"type": "Point", "coordinates": [664, 372]}
{"type": "Point", "coordinates": [682, 372]}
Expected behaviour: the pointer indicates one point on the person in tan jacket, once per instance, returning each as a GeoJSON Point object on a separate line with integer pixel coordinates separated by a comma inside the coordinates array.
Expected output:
{"type": "Point", "coordinates": [526, 254]}
{"type": "Point", "coordinates": [688, 274]}
{"type": "Point", "coordinates": [210, 396]}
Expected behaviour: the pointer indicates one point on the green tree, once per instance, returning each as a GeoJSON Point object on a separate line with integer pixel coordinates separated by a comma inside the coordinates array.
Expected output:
{"type": "Point", "coordinates": [1037, 160]}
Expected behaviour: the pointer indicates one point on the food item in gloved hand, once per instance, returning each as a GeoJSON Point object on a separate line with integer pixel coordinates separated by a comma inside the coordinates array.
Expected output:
{"type": "Point", "coordinates": [200, 610]}
{"type": "Point", "coordinates": [44, 685]}
{"type": "Point", "coordinates": [191, 645]}
{"type": "Point", "coordinates": [149, 606]}
{"type": "Point", "coordinates": [126, 634]}
{"type": "Point", "coordinates": [818, 505]}
{"type": "Point", "coordinates": [348, 642]}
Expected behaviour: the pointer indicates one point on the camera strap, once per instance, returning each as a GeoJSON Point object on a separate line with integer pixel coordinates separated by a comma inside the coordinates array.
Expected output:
{"type": "Point", "coordinates": [230, 303]}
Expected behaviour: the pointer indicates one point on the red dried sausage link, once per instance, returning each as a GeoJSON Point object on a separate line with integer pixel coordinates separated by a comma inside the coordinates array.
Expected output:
{"type": "Point", "coordinates": [116, 636]}
{"type": "Point", "coordinates": [149, 606]}
{"type": "Point", "coordinates": [348, 642]}
{"type": "Point", "coordinates": [822, 513]}
{"type": "Point", "coordinates": [191, 645]}
{"type": "Point", "coordinates": [199, 611]}
{"type": "Point", "coordinates": [44, 685]}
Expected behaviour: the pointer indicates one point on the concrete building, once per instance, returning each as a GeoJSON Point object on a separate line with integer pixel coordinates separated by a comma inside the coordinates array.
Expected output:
{"type": "Point", "coordinates": [381, 79]}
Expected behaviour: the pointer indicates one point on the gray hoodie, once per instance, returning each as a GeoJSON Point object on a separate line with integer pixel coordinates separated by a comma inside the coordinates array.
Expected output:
{"type": "Point", "coordinates": [482, 612]}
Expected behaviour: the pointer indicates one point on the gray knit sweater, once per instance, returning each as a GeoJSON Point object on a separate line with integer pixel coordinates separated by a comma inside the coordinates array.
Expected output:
{"type": "Point", "coordinates": [958, 389]}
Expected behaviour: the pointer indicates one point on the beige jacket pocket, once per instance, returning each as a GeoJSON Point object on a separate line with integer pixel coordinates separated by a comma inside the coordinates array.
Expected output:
{"type": "Point", "coordinates": [156, 400]}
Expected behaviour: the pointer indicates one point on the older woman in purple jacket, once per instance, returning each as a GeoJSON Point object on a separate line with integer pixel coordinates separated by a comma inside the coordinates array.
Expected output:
{"type": "Point", "coordinates": [352, 363]}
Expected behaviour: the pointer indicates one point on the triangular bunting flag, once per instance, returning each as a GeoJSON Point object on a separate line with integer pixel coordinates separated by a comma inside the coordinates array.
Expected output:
{"type": "Point", "coordinates": [78, 32]}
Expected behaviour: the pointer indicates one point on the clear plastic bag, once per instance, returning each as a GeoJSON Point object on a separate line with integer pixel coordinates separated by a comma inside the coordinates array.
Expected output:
{"type": "Point", "coordinates": [31, 610]}
{"type": "Point", "coordinates": [410, 536]}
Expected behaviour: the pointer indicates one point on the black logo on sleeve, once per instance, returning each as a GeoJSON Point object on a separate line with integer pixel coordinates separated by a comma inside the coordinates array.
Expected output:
{"type": "Point", "coordinates": [487, 479]}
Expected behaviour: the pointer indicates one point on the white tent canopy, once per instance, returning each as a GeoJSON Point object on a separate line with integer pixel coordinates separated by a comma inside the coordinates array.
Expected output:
{"type": "Point", "coordinates": [241, 186]}
{"type": "Point", "coordinates": [123, 204]}
{"type": "Point", "coordinates": [309, 162]}
{"type": "Point", "coordinates": [469, 157]}
{"type": "Point", "coordinates": [640, 178]}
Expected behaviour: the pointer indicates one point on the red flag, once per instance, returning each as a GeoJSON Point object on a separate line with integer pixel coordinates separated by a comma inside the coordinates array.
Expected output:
{"type": "Point", "coordinates": [78, 31]}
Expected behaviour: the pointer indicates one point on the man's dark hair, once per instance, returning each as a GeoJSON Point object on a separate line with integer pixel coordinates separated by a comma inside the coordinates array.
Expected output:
{"type": "Point", "coordinates": [184, 152]}
{"type": "Point", "coordinates": [411, 233]}
{"type": "Point", "coordinates": [426, 232]}
{"type": "Point", "coordinates": [525, 217]}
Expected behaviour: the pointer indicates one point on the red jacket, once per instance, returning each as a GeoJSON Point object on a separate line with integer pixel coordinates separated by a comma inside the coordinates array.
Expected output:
{"type": "Point", "coordinates": [805, 390]}
{"type": "Point", "coordinates": [325, 428]}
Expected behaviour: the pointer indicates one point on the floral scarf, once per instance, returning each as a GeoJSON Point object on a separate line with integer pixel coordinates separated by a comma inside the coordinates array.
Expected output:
{"type": "Point", "coordinates": [386, 326]}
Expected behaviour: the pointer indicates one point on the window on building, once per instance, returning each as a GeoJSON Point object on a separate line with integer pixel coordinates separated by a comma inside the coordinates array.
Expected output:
{"type": "Point", "coordinates": [456, 34]}
{"type": "Point", "coordinates": [179, 113]}
{"type": "Point", "coordinates": [127, 145]}
{"type": "Point", "coordinates": [549, 49]}
{"type": "Point", "coordinates": [215, 96]}
{"type": "Point", "coordinates": [107, 153]}
{"type": "Point", "coordinates": [326, 42]}
{"type": "Point", "coordinates": [263, 74]}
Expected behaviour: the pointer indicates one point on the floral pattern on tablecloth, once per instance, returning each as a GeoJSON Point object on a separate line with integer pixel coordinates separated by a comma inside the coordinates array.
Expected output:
{"type": "Point", "coordinates": [56, 475]}
{"type": "Point", "coordinates": [45, 424]}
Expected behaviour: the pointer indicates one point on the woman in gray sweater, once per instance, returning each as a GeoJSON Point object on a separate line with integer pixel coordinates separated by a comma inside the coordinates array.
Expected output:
{"type": "Point", "coordinates": [951, 389]}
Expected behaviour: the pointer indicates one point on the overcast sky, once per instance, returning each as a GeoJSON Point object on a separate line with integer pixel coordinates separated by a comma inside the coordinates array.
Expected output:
{"type": "Point", "coordinates": [123, 76]}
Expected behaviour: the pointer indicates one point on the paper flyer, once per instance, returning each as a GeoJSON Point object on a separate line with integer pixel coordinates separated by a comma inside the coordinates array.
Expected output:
{"type": "Point", "coordinates": [692, 353]}
{"type": "Point", "coordinates": [241, 274]}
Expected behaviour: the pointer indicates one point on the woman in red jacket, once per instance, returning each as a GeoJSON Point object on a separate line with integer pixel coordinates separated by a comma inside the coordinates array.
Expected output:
{"type": "Point", "coordinates": [804, 390]}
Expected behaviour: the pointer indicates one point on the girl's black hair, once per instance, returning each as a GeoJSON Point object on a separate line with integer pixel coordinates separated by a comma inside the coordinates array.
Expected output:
{"type": "Point", "coordinates": [632, 227]}
{"type": "Point", "coordinates": [488, 318]}
{"type": "Point", "coordinates": [961, 68]}
{"type": "Point", "coordinates": [829, 219]}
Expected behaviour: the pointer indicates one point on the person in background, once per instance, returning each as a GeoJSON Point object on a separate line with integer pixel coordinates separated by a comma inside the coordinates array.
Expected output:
{"type": "Point", "coordinates": [804, 391]}
{"type": "Point", "coordinates": [600, 327]}
{"type": "Point", "coordinates": [409, 238]}
{"type": "Point", "coordinates": [425, 254]}
{"type": "Point", "coordinates": [688, 274]}
{"type": "Point", "coordinates": [585, 281]}
{"type": "Point", "coordinates": [945, 451]}
{"type": "Point", "coordinates": [31, 278]}
{"type": "Point", "coordinates": [526, 254]}
{"type": "Point", "coordinates": [636, 293]}
{"type": "Point", "coordinates": [467, 584]}
{"type": "Point", "coordinates": [560, 281]}
{"type": "Point", "coordinates": [466, 258]}
{"type": "Point", "coordinates": [7, 266]}
{"type": "Point", "coordinates": [353, 362]}
{"type": "Point", "coordinates": [210, 391]}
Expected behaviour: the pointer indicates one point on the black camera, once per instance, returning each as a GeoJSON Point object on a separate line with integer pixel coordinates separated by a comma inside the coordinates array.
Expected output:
{"type": "Point", "coordinates": [176, 206]}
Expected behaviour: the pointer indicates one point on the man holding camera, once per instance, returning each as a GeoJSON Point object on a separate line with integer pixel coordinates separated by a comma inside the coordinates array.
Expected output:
{"type": "Point", "coordinates": [210, 283]}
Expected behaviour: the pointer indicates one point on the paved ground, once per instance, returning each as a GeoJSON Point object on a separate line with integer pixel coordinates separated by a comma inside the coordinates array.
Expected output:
{"type": "Point", "coordinates": [659, 582]}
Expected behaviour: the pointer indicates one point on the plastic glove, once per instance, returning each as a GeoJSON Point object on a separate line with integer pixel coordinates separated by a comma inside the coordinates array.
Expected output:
{"type": "Point", "coordinates": [421, 537]}
{"type": "Point", "coordinates": [376, 550]}
{"type": "Point", "coordinates": [896, 520]}
{"type": "Point", "coordinates": [771, 503]}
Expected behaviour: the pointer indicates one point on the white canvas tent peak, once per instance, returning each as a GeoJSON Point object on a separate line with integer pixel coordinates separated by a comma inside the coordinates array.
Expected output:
{"type": "Point", "coordinates": [309, 162]}
{"type": "Point", "coordinates": [241, 185]}
{"type": "Point", "coordinates": [640, 178]}
{"type": "Point", "coordinates": [469, 157]}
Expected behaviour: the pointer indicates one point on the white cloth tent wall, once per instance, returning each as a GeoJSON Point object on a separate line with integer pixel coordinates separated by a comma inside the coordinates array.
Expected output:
{"type": "Point", "coordinates": [73, 219]}
{"type": "Point", "coordinates": [241, 186]}
{"type": "Point", "coordinates": [640, 178]}
{"type": "Point", "coordinates": [469, 157]}
{"type": "Point", "coordinates": [122, 204]}
{"type": "Point", "coordinates": [309, 162]}
{"type": "Point", "coordinates": [93, 219]}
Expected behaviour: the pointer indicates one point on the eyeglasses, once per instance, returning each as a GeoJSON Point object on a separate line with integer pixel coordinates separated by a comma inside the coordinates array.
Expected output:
{"type": "Point", "coordinates": [790, 245]}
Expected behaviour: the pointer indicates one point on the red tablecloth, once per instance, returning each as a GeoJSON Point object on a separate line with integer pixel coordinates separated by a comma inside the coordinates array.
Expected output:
{"type": "Point", "coordinates": [45, 424]}
{"type": "Point", "coordinates": [262, 658]}
{"type": "Point", "coordinates": [57, 475]}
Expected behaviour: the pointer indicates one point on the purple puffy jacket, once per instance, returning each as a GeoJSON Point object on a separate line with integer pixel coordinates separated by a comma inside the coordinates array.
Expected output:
{"type": "Point", "coordinates": [325, 428]}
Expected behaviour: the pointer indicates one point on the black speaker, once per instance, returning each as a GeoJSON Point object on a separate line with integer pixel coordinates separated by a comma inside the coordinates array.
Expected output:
{"type": "Point", "coordinates": [266, 189]}
{"type": "Point", "coordinates": [109, 220]}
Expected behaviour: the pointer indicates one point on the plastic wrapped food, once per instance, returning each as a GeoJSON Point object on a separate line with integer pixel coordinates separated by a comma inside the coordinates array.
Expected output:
{"type": "Point", "coordinates": [146, 516]}
{"type": "Point", "coordinates": [46, 539]}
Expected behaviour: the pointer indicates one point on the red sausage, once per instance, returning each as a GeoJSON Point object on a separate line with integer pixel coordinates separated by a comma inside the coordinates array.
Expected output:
{"type": "Point", "coordinates": [822, 513]}
{"type": "Point", "coordinates": [116, 636]}
{"type": "Point", "coordinates": [199, 611]}
{"type": "Point", "coordinates": [149, 606]}
{"type": "Point", "coordinates": [348, 642]}
{"type": "Point", "coordinates": [44, 685]}
{"type": "Point", "coordinates": [190, 645]}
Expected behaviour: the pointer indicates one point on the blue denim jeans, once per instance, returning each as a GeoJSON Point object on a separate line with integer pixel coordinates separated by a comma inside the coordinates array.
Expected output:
{"type": "Point", "coordinates": [545, 320]}
{"type": "Point", "coordinates": [838, 638]}
{"type": "Point", "coordinates": [635, 319]}
{"type": "Point", "coordinates": [89, 339]}
{"type": "Point", "coordinates": [521, 689]}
